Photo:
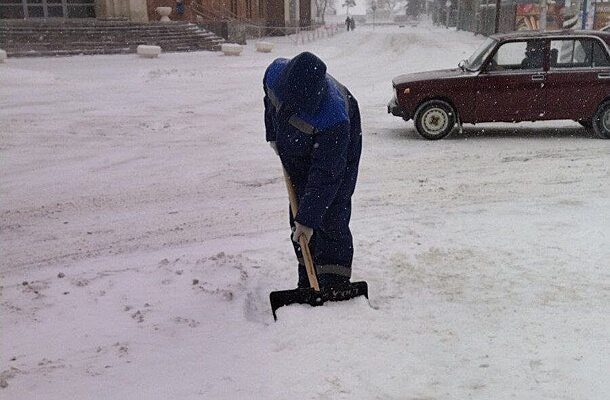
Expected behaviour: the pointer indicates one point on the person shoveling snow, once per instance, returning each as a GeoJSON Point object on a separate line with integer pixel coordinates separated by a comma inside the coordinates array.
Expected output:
{"type": "Point", "coordinates": [313, 123]}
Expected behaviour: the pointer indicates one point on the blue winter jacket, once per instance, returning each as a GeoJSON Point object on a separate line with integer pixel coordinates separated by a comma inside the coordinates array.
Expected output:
{"type": "Point", "coordinates": [315, 123]}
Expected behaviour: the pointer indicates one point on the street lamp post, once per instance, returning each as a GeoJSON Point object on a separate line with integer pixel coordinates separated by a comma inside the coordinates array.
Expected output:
{"type": "Point", "coordinates": [543, 12]}
{"type": "Point", "coordinates": [585, 13]}
{"type": "Point", "coordinates": [497, 21]}
{"type": "Point", "coordinates": [374, 8]}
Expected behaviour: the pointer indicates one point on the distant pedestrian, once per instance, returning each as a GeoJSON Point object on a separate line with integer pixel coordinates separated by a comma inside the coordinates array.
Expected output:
{"type": "Point", "coordinates": [348, 23]}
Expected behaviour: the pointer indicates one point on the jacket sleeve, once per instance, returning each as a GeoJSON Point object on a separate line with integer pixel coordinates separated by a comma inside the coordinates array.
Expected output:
{"type": "Point", "coordinates": [329, 159]}
{"type": "Point", "coordinates": [269, 111]}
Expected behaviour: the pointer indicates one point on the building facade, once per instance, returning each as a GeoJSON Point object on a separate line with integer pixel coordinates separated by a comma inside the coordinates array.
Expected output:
{"type": "Point", "coordinates": [274, 13]}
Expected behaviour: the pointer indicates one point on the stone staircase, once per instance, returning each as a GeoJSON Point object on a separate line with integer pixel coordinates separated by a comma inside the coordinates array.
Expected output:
{"type": "Point", "coordinates": [64, 37]}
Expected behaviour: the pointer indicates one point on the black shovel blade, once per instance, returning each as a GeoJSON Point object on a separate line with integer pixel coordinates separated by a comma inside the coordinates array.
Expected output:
{"type": "Point", "coordinates": [314, 298]}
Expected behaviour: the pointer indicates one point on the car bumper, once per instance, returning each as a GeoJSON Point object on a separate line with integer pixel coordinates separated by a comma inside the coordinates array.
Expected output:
{"type": "Point", "coordinates": [395, 109]}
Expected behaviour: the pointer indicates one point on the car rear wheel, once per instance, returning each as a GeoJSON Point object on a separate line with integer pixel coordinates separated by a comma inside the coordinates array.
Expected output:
{"type": "Point", "coordinates": [601, 121]}
{"type": "Point", "coordinates": [435, 119]}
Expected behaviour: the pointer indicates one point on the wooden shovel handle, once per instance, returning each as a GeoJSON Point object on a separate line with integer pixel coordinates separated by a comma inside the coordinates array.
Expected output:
{"type": "Point", "coordinates": [294, 207]}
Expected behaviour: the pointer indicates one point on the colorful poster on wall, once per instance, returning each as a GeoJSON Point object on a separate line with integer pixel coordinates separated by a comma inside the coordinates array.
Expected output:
{"type": "Point", "coordinates": [528, 17]}
{"type": "Point", "coordinates": [602, 16]}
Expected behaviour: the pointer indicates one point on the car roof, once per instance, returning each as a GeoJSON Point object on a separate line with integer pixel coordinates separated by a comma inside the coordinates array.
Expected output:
{"type": "Point", "coordinates": [546, 34]}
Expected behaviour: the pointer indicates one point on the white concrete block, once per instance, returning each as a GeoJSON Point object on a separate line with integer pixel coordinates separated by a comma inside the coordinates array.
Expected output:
{"type": "Point", "coordinates": [231, 49]}
{"type": "Point", "coordinates": [147, 51]}
{"type": "Point", "coordinates": [264, 47]}
{"type": "Point", "coordinates": [2, 56]}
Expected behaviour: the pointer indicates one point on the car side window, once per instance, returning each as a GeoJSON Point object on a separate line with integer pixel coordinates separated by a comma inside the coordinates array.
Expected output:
{"type": "Point", "coordinates": [600, 56]}
{"type": "Point", "coordinates": [577, 53]}
{"type": "Point", "coordinates": [521, 55]}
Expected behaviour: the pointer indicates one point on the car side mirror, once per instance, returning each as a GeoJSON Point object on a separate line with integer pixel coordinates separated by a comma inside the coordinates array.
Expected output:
{"type": "Point", "coordinates": [461, 64]}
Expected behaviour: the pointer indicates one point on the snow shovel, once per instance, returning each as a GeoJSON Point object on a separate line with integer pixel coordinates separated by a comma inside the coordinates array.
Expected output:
{"type": "Point", "coordinates": [312, 295]}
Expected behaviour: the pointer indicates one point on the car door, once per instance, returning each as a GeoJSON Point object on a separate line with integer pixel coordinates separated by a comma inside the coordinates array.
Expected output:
{"type": "Point", "coordinates": [510, 87]}
{"type": "Point", "coordinates": [578, 78]}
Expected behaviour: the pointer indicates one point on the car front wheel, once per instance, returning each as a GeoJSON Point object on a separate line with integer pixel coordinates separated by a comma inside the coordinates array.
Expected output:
{"type": "Point", "coordinates": [435, 119]}
{"type": "Point", "coordinates": [601, 121]}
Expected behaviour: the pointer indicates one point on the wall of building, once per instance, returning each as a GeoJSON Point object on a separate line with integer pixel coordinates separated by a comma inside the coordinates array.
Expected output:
{"type": "Point", "coordinates": [275, 13]}
{"type": "Point", "coordinates": [304, 13]}
{"type": "Point", "coordinates": [253, 10]}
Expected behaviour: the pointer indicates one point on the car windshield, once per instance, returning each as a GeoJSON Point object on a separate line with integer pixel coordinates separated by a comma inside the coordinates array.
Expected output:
{"type": "Point", "coordinates": [476, 59]}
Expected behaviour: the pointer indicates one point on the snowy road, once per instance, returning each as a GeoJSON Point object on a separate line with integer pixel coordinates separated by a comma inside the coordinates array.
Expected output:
{"type": "Point", "coordinates": [143, 224]}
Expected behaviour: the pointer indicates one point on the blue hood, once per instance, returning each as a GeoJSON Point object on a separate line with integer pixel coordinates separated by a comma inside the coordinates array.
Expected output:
{"type": "Point", "coordinates": [302, 83]}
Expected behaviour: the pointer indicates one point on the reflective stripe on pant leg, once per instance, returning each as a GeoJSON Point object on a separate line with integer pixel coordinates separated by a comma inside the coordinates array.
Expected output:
{"type": "Point", "coordinates": [335, 269]}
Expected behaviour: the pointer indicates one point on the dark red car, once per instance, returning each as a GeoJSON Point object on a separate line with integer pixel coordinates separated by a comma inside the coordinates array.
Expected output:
{"type": "Point", "coordinates": [520, 76]}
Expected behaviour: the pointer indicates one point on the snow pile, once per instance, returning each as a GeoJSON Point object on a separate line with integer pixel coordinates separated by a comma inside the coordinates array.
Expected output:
{"type": "Point", "coordinates": [142, 233]}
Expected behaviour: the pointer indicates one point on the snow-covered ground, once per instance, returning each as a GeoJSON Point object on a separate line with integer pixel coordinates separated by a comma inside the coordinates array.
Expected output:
{"type": "Point", "coordinates": [144, 223]}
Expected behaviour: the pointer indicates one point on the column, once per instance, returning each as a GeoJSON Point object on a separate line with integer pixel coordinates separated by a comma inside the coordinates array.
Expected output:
{"type": "Point", "coordinates": [134, 10]}
{"type": "Point", "coordinates": [138, 11]}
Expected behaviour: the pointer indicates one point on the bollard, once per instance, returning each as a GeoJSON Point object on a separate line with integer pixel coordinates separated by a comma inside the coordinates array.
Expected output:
{"type": "Point", "coordinates": [147, 51]}
{"type": "Point", "coordinates": [231, 49]}
{"type": "Point", "coordinates": [264, 47]}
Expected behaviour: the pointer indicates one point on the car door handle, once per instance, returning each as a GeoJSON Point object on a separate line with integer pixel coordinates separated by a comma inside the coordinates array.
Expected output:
{"type": "Point", "coordinates": [603, 75]}
{"type": "Point", "coordinates": [538, 78]}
